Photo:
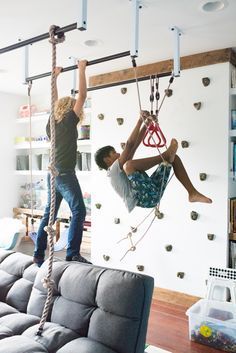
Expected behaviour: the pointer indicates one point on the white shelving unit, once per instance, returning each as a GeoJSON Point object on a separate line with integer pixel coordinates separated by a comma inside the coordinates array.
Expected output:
{"type": "Point", "coordinates": [38, 123]}
{"type": "Point", "coordinates": [232, 136]}
{"type": "Point", "coordinates": [232, 175]}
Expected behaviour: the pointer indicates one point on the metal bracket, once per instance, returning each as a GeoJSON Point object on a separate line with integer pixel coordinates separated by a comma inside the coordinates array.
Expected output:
{"type": "Point", "coordinates": [25, 65]}
{"type": "Point", "coordinates": [136, 5]}
{"type": "Point", "coordinates": [177, 33]}
{"type": "Point", "coordinates": [82, 18]}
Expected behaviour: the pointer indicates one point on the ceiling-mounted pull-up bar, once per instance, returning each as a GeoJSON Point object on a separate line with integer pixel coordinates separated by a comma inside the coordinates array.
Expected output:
{"type": "Point", "coordinates": [81, 25]}
{"type": "Point", "coordinates": [74, 67]}
{"type": "Point", "coordinates": [38, 38]}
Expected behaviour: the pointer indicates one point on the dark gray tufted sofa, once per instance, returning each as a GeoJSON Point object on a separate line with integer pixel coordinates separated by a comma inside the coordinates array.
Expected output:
{"type": "Point", "coordinates": [94, 309]}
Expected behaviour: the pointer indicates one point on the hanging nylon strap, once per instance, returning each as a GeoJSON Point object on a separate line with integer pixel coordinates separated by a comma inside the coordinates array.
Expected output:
{"type": "Point", "coordinates": [47, 282]}
{"type": "Point", "coordinates": [140, 107]}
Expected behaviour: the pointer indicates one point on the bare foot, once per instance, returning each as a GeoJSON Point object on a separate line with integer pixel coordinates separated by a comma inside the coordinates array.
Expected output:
{"type": "Point", "coordinates": [171, 151]}
{"type": "Point", "coordinates": [197, 197]}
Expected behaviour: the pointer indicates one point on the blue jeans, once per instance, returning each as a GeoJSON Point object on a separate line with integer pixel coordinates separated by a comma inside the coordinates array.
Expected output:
{"type": "Point", "coordinates": [67, 188]}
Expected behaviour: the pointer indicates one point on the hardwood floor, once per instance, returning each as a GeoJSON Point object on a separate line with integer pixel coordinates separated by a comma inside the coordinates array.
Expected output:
{"type": "Point", "coordinates": [168, 329]}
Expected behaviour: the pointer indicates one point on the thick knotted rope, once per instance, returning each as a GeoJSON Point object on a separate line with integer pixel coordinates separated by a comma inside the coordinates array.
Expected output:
{"type": "Point", "coordinates": [47, 282]}
{"type": "Point", "coordinates": [156, 209]}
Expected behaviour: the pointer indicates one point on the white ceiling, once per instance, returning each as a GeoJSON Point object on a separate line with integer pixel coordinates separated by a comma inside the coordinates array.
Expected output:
{"type": "Point", "coordinates": [110, 22]}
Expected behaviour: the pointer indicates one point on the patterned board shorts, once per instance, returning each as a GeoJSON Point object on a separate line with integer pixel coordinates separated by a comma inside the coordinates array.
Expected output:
{"type": "Point", "coordinates": [149, 189]}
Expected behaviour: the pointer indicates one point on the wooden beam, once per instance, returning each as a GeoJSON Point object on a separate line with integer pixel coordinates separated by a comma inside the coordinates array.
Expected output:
{"type": "Point", "coordinates": [173, 297]}
{"type": "Point", "coordinates": [186, 62]}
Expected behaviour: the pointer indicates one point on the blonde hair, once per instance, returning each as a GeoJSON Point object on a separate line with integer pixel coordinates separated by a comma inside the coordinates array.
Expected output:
{"type": "Point", "coordinates": [63, 106]}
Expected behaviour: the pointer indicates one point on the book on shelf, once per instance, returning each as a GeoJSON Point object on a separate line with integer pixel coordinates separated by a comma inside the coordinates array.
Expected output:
{"type": "Point", "coordinates": [233, 158]}
{"type": "Point", "coordinates": [233, 119]}
{"type": "Point", "coordinates": [232, 212]}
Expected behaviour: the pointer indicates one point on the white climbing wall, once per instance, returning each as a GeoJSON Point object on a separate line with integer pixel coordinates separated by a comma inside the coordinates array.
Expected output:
{"type": "Point", "coordinates": [206, 130]}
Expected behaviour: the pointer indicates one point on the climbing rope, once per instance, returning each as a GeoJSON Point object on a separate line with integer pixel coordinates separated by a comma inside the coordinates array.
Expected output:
{"type": "Point", "coordinates": [47, 281]}
{"type": "Point", "coordinates": [151, 137]}
{"type": "Point", "coordinates": [31, 154]}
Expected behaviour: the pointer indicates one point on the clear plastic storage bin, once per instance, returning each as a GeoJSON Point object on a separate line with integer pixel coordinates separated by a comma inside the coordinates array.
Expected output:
{"type": "Point", "coordinates": [213, 323]}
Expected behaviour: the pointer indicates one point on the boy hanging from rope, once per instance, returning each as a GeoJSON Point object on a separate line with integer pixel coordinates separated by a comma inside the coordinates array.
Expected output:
{"type": "Point", "coordinates": [128, 176]}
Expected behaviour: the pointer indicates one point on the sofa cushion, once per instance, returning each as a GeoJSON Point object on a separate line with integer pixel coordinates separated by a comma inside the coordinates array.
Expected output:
{"type": "Point", "coordinates": [19, 293]}
{"type": "Point", "coordinates": [5, 332]}
{"type": "Point", "coordinates": [54, 336]}
{"type": "Point", "coordinates": [122, 310]}
{"type": "Point", "coordinates": [21, 344]}
{"type": "Point", "coordinates": [4, 254]}
{"type": "Point", "coordinates": [6, 309]}
{"type": "Point", "coordinates": [85, 345]}
{"type": "Point", "coordinates": [39, 293]}
{"type": "Point", "coordinates": [18, 322]}
{"type": "Point", "coordinates": [80, 299]}
{"type": "Point", "coordinates": [12, 268]}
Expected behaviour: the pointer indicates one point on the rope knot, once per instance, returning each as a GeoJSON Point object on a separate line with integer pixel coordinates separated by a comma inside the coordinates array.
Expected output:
{"type": "Point", "coordinates": [47, 282]}
{"type": "Point", "coordinates": [49, 230]}
{"type": "Point", "coordinates": [53, 170]}
{"type": "Point", "coordinates": [55, 38]}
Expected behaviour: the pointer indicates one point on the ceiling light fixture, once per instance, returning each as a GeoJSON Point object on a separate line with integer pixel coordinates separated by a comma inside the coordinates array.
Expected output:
{"type": "Point", "coordinates": [213, 6]}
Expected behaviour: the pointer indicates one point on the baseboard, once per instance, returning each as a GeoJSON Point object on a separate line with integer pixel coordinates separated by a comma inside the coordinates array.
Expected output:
{"type": "Point", "coordinates": [173, 297]}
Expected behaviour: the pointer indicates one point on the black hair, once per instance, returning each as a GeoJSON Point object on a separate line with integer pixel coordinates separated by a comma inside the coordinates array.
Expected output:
{"type": "Point", "coordinates": [101, 154]}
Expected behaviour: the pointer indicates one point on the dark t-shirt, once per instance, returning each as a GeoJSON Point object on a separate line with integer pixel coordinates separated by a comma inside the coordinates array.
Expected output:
{"type": "Point", "coordinates": [66, 142]}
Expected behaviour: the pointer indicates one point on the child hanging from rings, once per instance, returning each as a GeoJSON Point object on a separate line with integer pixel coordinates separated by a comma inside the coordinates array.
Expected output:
{"type": "Point", "coordinates": [128, 176]}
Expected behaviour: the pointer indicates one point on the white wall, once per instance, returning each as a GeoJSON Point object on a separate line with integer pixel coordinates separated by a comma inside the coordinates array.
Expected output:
{"type": "Point", "coordinates": [9, 111]}
{"type": "Point", "coordinates": [207, 132]}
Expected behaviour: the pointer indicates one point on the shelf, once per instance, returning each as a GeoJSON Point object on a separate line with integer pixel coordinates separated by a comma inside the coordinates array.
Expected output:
{"type": "Point", "coordinates": [45, 144]}
{"type": "Point", "coordinates": [232, 236]}
{"type": "Point", "coordinates": [232, 133]}
{"type": "Point", "coordinates": [85, 142]}
{"type": "Point", "coordinates": [233, 91]}
{"type": "Point", "coordinates": [39, 213]}
{"type": "Point", "coordinates": [28, 172]}
{"type": "Point", "coordinates": [34, 145]}
{"type": "Point", "coordinates": [81, 173]}
{"type": "Point", "coordinates": [34, 118]}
